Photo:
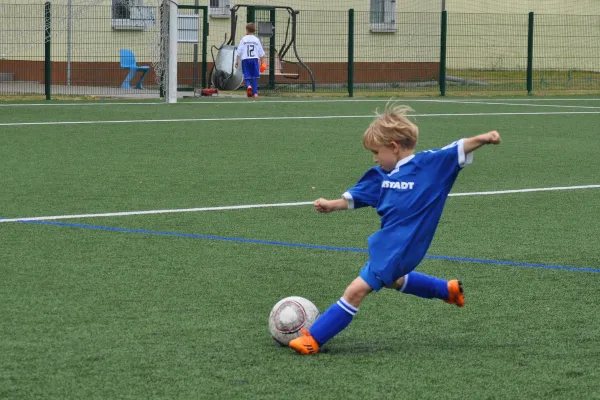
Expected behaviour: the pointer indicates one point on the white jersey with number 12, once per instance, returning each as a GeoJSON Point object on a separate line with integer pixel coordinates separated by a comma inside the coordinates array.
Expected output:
{"type": "Point", "coordinates": [250, 47]}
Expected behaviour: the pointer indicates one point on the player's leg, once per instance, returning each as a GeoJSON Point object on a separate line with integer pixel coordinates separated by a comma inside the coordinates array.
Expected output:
{"type": "Point", "coordinates": [255, 73]}
{"type": "Point", "coordinates": [247, 80]}
{"type": "Point", "coordinates": [246, 70]}
{"type": "Point", "coordinates": [252, 68]}
{"type": "Point", "coordinates": [334, 320]}
{"type": "Point", "coordinates": [431, 287]}
{"type": "Point", "coordinates": [255, 87]}
{"type": "Point", "coordinates": [339, 315]}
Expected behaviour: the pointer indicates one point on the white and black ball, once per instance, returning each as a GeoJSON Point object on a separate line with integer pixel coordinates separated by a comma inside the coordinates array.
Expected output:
{"type": "Point", "coordinates": [289, 316]}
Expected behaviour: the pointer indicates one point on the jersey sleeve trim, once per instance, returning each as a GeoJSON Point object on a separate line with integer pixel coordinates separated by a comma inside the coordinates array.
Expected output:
{"type": "Point", "coordinates": [463, 159]}
{"type": "Point", "coordinates": [349, 199]}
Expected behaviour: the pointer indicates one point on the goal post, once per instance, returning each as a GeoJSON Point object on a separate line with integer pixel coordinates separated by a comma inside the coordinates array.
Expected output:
{"type": "Point", "coordinates": [187, 31]}
{"type": "Point", "coordinates": [171, 96]}
{"type": "Point", "coordinates": [163, 48]}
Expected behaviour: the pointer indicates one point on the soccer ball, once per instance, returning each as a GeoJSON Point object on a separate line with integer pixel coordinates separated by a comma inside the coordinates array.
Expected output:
{"type": "Point", "coordinates": [289, 316]}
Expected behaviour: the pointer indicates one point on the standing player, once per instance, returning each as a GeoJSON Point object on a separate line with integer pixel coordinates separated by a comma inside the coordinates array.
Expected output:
{"type": "Point", "coordinates": [250, 51]}
{"type": "Point", "coordinates": [409, 192]}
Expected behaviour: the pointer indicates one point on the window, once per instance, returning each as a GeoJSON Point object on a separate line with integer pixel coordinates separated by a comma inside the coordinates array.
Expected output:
{"type": "Point", "coordinates": [383, 15]}
{"type": "Point", "coordinates": [219, 8]}
{"type": "Point", "coordinates": [120, 9]}
{"type": "Point", "coordinates": [131, 14]}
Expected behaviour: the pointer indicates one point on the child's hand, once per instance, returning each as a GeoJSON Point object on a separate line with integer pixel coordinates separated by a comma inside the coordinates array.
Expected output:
{"type": "Point", "coordinates": [323, 206]}
{"type": "Point", "coordinates": [492, 137]}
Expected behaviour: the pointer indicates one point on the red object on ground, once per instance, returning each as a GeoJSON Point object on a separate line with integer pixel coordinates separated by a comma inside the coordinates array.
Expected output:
{"type": "Point", "coordinates": [209, 92]}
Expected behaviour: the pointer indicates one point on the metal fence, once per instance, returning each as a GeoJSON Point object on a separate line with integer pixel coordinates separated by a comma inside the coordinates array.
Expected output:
{"type": "Point", "coordinates": [486, 52]}
{"type": "Point", "coordinates": [344, 52]}
{"type": "Point", "coordinates": [566, 52]}
{"type": "Point", "coordinates": [22, 32]}
{"type": "Point", "coordinates": [402, 55]}
{"type": "Point", "coordinates": [95, 50]}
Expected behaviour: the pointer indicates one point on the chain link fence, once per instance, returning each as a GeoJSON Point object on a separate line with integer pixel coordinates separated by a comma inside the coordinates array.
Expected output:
{"type": "Point", "coordinates": [343, 52]}
{"type": "Point", "coordinates": [95, 50]}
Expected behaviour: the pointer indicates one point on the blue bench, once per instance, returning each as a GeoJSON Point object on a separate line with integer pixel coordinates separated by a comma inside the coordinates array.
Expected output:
{"type": "Point", "coordinates": [128, 62]}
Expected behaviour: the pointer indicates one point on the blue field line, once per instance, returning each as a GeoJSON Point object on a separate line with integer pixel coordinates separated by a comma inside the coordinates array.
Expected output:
{"type": "Point", "coordinates": [302, 245]}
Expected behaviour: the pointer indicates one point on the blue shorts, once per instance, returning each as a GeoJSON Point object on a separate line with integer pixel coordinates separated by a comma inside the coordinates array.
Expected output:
{"type": "Point", "coordinates": [371, 278]}
{"type": "Point", "coordinates": [250, 68]}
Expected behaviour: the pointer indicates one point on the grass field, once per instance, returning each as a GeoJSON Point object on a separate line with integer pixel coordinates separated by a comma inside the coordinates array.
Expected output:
{"type": "Point", "coordinates": [175, 304]}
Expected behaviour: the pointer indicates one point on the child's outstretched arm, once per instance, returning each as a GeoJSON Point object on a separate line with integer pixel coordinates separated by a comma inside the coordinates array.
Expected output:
{"type": "Point", "coordinates": [473, 143]}
{"type": "Point", "coordinates": [326, 206]}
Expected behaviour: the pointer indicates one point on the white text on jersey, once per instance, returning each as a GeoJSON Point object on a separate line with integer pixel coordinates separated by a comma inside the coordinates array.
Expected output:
{"type": "Point", "coordinates": [397, 185]}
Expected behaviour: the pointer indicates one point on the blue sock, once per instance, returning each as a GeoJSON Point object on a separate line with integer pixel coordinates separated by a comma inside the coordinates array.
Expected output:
{"type": "Point", "coordinates": [425, 286]}
{"type": "Point", "coordinates": [337, 317]}
{"type": "Point", "coordinates": [248, 82]}
{"type": "Point", "coordinates": [254, 86]}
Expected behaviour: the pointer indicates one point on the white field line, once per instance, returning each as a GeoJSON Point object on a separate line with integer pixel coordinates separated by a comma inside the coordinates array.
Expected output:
{"type": "Point", "coordinates": [133, 121]}
{"type": "Point", "coordinates": [241, 207]}
{"type": "Point", "coordinates": [547, 189]}
{"type": "Point", "coordinates": [217, 102]}
{"type": "Point", "coordinates": [520, 104]}
{"type": "Point", "coordinates": [181, 210]}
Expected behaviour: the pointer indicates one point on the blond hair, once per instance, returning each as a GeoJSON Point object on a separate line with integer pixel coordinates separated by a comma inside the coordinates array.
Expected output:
{"type": "Point", "coordinates": [250, 28]}
{"type": "Point", "coordinates": [392, 126]}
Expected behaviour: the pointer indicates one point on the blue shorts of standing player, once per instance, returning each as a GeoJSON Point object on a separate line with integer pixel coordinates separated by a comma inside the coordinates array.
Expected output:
{"type": "Point", "coordinates": [409, 192]}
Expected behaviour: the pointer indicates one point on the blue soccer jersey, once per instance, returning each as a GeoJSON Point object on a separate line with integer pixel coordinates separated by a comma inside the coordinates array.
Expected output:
{"type": "Point", "coordinates": [410, 200]}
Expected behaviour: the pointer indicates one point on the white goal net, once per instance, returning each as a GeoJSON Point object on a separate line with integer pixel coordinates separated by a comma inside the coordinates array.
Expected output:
{"type": "Point", "coordinates": [87, 39]}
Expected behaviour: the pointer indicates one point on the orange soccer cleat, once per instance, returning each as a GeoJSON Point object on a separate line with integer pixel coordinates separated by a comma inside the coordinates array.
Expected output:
{"type": "Point", "coordinates": [455, 293]}
{"type": "Point", "coordinates": [249, 91]}
{"type": "Point", "coordinates": [305, 344]}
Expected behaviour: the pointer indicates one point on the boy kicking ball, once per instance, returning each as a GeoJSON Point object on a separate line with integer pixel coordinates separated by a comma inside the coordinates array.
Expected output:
{"type": "Point", "coordinates": [250, 51]}
{"type": "Point", "coordinates": [409, 192]}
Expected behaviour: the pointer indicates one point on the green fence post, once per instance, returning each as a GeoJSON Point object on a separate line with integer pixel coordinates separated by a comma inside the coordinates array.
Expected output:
{"type": "Point", "coordinates": [351, 52]}
{"type": "Point", "coordinates": [530, 55]}
{"type": "Point", "coordinates": [272, 51]}
{"type": "Point", "coordinates": [195, 61]}
{"type": "Point", "coordinates": [204, 45]}
{"type": "Point", "coordinates": [47, 64]}
{"type": "Point", "coordinates": [443, 36]}
{"type": "Point", "coordinates": [250, 15]}
{"type": "Point", "coordinates": [163, 30]}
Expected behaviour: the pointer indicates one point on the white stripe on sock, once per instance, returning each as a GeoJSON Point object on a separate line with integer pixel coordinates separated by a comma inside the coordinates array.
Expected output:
{"type": "Point", "coordinates": [349, 308]}
{"type": "Point", "coordinates": [339, 303]}
{"type": "Point", "coordinates": [345, 308]}
{"type": "Point", "coordinates": [404, 283]}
